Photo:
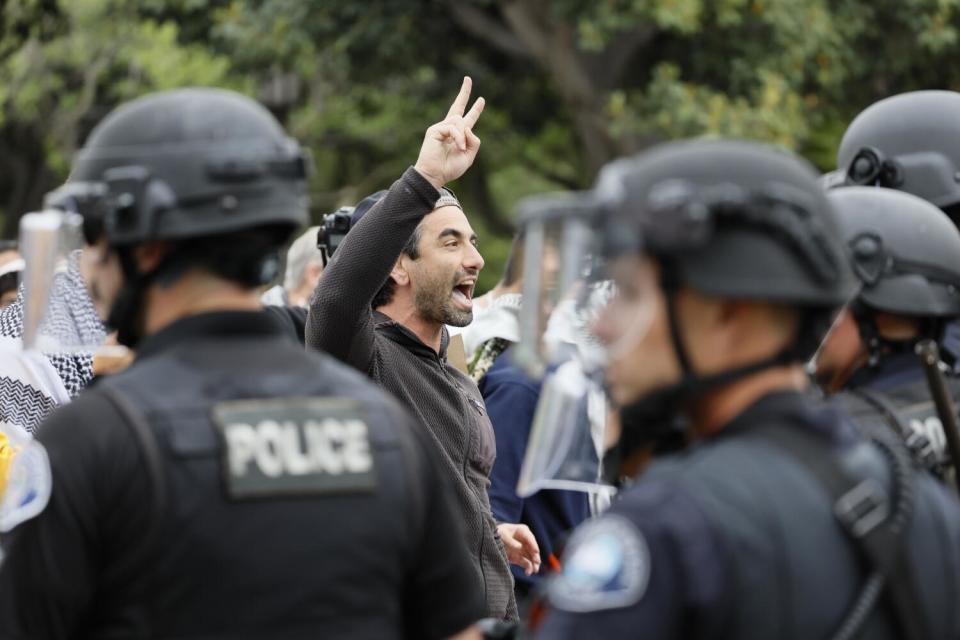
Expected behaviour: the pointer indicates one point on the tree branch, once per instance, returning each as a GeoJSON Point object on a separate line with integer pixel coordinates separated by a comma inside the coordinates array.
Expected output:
{"type": "Point", "coordinates": [480, 24]}
{"type": "Point", "coordinates": [477, 182]}
{"type": "Point", "coordinates": [554, 46]}
{"type": "Point", "coordinates": [607, 66]}
{"type": "Point", "coordinates": [566, 182]}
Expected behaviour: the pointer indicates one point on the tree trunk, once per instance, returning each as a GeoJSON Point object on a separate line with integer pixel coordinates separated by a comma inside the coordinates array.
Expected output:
{"type": "Point", "coordinates": [527, 29]}
{"type": "Point", "coordinates": [24, 176]}
{"type": "Point", "coordinates": [478, 184]}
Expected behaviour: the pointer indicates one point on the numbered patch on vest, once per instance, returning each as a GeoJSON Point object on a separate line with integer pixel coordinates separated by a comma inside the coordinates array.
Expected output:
{"type": "Point", "coordinates": [923, 421]}
{"type": "Point", "coordinates": [294, 446]}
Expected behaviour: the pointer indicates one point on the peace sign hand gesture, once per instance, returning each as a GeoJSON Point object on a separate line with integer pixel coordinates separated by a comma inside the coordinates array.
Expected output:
{"type": "Point", "coordinates": [450, 146]}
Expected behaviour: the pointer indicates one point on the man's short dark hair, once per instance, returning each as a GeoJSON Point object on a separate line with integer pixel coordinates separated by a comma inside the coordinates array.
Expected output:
{"type": "Point", "coordinates": [389, 288]}
{"type": "Point", "coordinates": [238, 257]}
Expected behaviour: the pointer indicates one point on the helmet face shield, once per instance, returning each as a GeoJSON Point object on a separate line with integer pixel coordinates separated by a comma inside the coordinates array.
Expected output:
{"type": "Point", "coordinates": [565, 449]}
{"type": "Point", "coordinates": [566, 282]}
{"type": "Point", "coordinates": [566, 446]}
{"type": "Point", "coordinates": [557, 251]}
{"type": "Point", "coordinates": [622, 320]}
{"type": "Point", "coordinates": [567, 291]}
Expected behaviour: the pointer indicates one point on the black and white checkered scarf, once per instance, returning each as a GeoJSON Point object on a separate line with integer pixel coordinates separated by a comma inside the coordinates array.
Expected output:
{"type": "Point", "coordinates": [32, 386]}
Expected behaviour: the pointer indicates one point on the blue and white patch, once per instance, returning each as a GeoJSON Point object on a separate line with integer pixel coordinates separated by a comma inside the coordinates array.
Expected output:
{"type": "Point", "coordinates": [28, 486]}
{"type": "Point", "coordinates": [606, 566]}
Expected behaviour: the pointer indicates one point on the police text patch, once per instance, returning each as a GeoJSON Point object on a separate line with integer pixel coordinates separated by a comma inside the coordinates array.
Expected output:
{"type": "Point", "coordinates": [294, 446]}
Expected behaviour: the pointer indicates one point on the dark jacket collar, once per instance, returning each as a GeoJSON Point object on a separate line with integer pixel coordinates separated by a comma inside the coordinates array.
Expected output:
{"type": "Point", "coordinates": [402, 335]}
{"type": "Point", "coordinates": [891, 372]}
{"type": "Point", "coordinates": [212, 325]}
{"type": "Point", "coordinates": [803, 410]}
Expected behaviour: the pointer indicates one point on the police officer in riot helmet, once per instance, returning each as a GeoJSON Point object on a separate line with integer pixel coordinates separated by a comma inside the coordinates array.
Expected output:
{"type": "Point", "coordinates": [779, 519]}
{"type": "Point", "coordinates": [907, 254]}
{"type": "Point", "coordinates": [227, 484]}
{"type": "Point", "coordinates": [908, 142]}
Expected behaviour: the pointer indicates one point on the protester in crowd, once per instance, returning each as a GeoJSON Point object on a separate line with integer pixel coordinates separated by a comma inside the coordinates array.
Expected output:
{"type": "Point", "coordinates": [228, 484]}
{"type": "Point", "coordinates": [303, 271]}
{"type": "Point", "coordinates": [30, 389]}
{"type": "Point", "coordinates": [291, 315]}
{"type": "Point", "coordinates": [494, 324]}
{"type": "Point", "coordinates": [304, 268]}
{"type": "Point", "coordinates": [8, 252]}
{"type": "Point", "coordinates": [10, 281]}
{"type": "Point", "coordinates": [407, 269]}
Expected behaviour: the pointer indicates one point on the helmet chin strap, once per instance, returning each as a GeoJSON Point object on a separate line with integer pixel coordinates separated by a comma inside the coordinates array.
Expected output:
{"type": "Point", "coordinates": [661, 411]}
{"type": "Point", "coordinates": [126, 312]}
{"type": "Point", "coordinates": [692, 384]}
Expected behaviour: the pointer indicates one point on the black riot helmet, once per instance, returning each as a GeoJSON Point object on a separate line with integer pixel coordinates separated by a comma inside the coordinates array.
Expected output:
{"type": "Point", "coordinates": [208, 170]}
{"type": "Point", "coordinates": [906, 252]}
{"type": "Point", "coordinates": [192, 163]}
{"type": "Point", "coordinates": [727, 218]}
{"type": "Point", "coordinates": [907, 142]}
{"type": "Point", "coordinates": [730, 218]}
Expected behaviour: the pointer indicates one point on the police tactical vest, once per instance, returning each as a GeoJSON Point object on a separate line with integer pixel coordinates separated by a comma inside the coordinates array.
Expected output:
{"type": "Point", "coordinates": [266, 456]}
{"type": "Point", "coordinates": [918, 422]}
{"type": "Point", "coordinates": [793, 572]}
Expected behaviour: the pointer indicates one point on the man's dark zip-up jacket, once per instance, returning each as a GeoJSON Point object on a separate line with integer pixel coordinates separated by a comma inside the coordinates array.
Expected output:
{"type": "Point", "coordinates": [447, 403]}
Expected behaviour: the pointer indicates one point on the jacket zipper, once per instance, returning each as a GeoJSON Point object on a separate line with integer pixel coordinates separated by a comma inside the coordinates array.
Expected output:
{"type": "Point", "coordinates": [466, 479]}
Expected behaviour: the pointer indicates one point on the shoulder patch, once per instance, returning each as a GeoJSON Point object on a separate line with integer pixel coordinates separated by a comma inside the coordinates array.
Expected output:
{"type": "Point", "coordinates": [29, 484]}
{"type": "Point", "coordinates": [606, 566]}
{"type": "Point", "coordinates": [294, 446]}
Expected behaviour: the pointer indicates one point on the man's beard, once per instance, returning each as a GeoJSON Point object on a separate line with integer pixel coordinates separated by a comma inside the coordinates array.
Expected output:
{"type": "Point", "coordinates": [434, 301]}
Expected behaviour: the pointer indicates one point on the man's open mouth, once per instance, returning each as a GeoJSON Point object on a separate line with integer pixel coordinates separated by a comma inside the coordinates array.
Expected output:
{"type": "Point", "coordinates": [463, 293]}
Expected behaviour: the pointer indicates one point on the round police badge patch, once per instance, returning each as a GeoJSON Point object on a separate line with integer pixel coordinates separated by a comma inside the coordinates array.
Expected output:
{"type": "Point", "coordinates": [607, 566]}
{"type": "Point", "coordinates": [28, 486]}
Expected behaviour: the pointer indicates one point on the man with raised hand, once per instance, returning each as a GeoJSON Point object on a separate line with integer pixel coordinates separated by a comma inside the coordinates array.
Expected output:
{"type": "Point", "coordinates": [406, 270]}
{"type": "Point", "coordinates": [228, 484]}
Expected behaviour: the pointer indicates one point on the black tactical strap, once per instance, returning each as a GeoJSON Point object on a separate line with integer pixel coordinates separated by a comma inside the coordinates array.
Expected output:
{"type": "Point", "coordinates": [153, 460]}
{"type": "Point", "coordinates": [862, 507]}
{"type": "Point", "coordinates": [143, 434]}
{"type": "Point", "coordinates": [877, 402]}
{"type": "Point", "coordinates": [875, 405]}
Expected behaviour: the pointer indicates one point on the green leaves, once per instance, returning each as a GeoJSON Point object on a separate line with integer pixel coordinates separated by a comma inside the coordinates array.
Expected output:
{"type": "Point", "coordinates": [569, 84]}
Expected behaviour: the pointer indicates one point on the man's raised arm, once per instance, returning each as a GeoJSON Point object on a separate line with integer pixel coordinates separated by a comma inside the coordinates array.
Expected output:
{"type": "Point", "coordinates": [340, 320]}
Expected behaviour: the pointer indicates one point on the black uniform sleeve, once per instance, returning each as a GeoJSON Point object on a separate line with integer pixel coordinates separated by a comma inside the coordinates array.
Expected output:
{"type": "Point", "coordinates": [50, 564]}
{"type": "Point", "coordinates": [340, 320]}
{"type": "Point", "coordinates": [444, 594]}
